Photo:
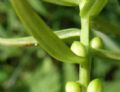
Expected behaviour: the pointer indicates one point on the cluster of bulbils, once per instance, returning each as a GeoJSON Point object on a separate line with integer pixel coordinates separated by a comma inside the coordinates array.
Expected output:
{"type": "Point", "coordinates": [79, 49]}
{"type": "Point", "coordinates": [94, 86]}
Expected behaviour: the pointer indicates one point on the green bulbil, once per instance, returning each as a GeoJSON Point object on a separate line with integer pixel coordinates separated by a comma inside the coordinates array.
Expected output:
{"type": "Point", "coordinates": [95, 86]}
{"type": "Point", "coordinates": [97, 43]}
{"type": "Point", "coordinates": [78, 48]}
{"type": "Point", "coordinates": [72, 87]}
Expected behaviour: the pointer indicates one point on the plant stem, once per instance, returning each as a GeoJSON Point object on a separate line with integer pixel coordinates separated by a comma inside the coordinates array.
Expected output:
{"type": "Point", "coordinates": [85, 32]}
{"type": "Point", "coordinates": [84, 72]}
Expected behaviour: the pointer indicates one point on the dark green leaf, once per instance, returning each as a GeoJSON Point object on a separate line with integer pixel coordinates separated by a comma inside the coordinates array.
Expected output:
{"type": "Point", "coordinates": [100, 24]}
{"type": "Point", "coordinates": [38, 6]}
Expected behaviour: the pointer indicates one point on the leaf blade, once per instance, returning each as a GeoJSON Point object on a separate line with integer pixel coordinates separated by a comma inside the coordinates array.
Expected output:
{"type": "Point", "coordinates": [42, 33]}
{"type": "Point", "coordinates": [105, 54]}
{"type": "Point", "coordinates": [100, 24]}
{"type": "Point", "coordinates": [63, 2]}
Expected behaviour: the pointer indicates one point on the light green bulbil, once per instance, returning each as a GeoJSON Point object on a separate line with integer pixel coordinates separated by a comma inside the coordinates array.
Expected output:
{"type": "Point", "coordinates": [97, 43]}
{"type": "Point", "coordinates": [64, 2]}
{"type": "Point", "coordinates": [72, 87]}
{"type": "Point", "coordinates": [95, 86]}
{"type": "Point", "coordinates": [78, 48]}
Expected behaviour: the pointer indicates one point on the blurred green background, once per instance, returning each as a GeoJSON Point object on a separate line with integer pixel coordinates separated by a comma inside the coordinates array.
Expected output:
{"type": "Point", "coordinates": [30, 69]}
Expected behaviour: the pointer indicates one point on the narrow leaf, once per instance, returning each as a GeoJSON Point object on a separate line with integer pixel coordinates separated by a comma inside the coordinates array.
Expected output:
{"type": "Point", "coordinates": [38, 6]}
{"type": "Point", "coordinates": [23, 41]}
{"type": "Point", "coordinates": [111, 55]}
{"type": "Point", "coordinates": [65, 34]}
{"type": "Point", "coordinates": [101, 24]}
{"type": "Point", "coordinates": [64, 2]}
{"type": "Point", "coordinates": [43, 34]}
{"type": "Point", "coordinates": [91, 7]}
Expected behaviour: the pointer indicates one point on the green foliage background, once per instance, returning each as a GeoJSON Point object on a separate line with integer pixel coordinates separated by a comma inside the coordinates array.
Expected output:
{"type": "Point", "coordinates": [30, 69]}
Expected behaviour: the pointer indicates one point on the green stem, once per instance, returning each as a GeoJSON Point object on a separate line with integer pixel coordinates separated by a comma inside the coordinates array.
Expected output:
{"type": "Point", "coordinates": [85, 31]}
{"type": "Point", "coordinates": [84, 74]}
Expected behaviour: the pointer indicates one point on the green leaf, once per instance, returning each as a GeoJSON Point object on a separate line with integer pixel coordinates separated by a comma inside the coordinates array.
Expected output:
{"type": "Point", "coordinates": [67, 35]}
{"type": "Point", "coordinates": [112, 51]}
{"type": "Point", "coordinates": [101, 24]}
{"type": "Point", "coordinates": [38, 6]}
{"type": "Point", "coordinates": [64, 2]}
{"type": "Point", "coordinates": [43, 34]}
{"type": "Point", "coordinates": [97, 7]}
{"type": "Point", "coordinates": [90, 8]}
{"type": "Point", "coordinates": [85, 6]}
{"type": "Point", "coordinates": [106, 54]}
